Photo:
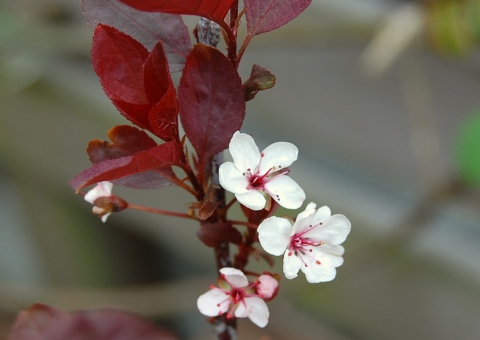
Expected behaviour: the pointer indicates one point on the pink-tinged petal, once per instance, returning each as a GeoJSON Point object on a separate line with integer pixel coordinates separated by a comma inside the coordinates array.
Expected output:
{"type": "Point", "coordinates": [102, 189]}
{"type": "Point", "coordinates": [274, 235]}
{"type": "Point", "coordinates": [244, 152]}
{"type": "Point", "coordinates": [332, 231]}
{"type": "Point", "coordinates": [291, 265]}
{"type": "Point", "coordinates": [266, 286]}
{"type": "Point", "coordinates": [252, 199]}
{"type": "Point", "coordinates": [278, 156]}
{"type": "Point", "coordinates": [231, 179]}
{"type": "Point", "coordinates": [320, 268]}
{"type": "Point", "coordinates": [213, 303]}
{"type": "Point", "coordinates": [235, 277]}
{"type": "Point", "coordinates": [258, 311]}
{"type": "Point", "coordinates": [243, 309]}
{"type": "Point", "coordinates": [285, 191]}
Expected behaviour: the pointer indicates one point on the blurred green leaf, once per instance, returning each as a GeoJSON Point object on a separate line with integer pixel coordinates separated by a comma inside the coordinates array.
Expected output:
{"type": "Point", "coordinates": [468, 150]}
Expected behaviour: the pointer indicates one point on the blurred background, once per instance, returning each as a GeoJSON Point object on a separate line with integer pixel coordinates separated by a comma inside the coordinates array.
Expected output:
{"type": "Point", "coordinates": [382, 99]}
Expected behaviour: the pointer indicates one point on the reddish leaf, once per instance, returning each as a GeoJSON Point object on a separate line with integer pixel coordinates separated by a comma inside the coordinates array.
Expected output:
{"type": "Point", "coordinates": [267, 15]}
{"type": "Point", "coordinates": [132, 78]}
{"type": "Point", "coordinates": [118, 61]}
{"type": "Point", "coordinates": [126, 141]}
{"type": "Point", "coordinates": [156, 74]}
{"type": "Point", "coordinates": [210, 9]}
{"type": "Point", "coordinates": [212, 234]}
{"type": "Point", "coordinates": [163, 117]}
{"type": "Point", "coordinates": [211, 100]}
{"type": "Point", "coordinates": [42, 322]}
{"type": "Point", "coordinates": [147, 28]}
{"type": "Point", "coordinates": [164, 155]}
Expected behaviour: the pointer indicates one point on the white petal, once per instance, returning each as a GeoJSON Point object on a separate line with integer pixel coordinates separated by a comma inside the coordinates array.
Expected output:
{"type": "Point", "coordinates": [336, 253]}
{"type": "Point", "coordinates": [278, 156]}
{"type": "Point", "coordinates": [321, 271]}
{"type": "Point", "coordinates": [213, 303]}
{"type": "Point", "coordinates": [104, 217]}
{"type": "Point", "coordinates": [235, 277]}
{"type": "Point", "coordinates": [309, 210]}
{"type": "Point", "coordinates": [252, 199]}
{"type": "Point", "coordinates": [322, 214]}
{"type": "Point", "coordinates": [102, 189]}
{"type": "Point", "coordinates": [258, 310]}
{"type": "Point", "coordinates": [274, 235]}
{"type": "Point", "coordinates": [291, 265]}
{"type": "Point", "coordinates": [244, 152]}
{"type": "Point", "coordinates": [285, 191]}
{"type": "Point", "coordinates": [231, 179]}
{"type": "Point", "coordinates": [334, 230]}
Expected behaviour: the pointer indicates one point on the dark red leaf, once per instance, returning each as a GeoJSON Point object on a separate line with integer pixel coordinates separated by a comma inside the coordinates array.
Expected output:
{"type": "Point", "coordinates": [211, 100]}
{"type": "Point", "coordinates": [156, 74]}
{"type": "Point", "coordinates": [212, 234]}
{"type": "Point", "coordinates": [267, 15]}
{"type": "Point", "coordinates": [132, 78]}
{"type": "Point", "coordinates": [164, 155]}
{"type": "Point", "coordinates": [147, 28]}
{"type": "Point", "coordinates": [210, 9]}
{"type": "Point", "coordinates": [163, 117]}
{"type": "Point", "coordinates": [126, 141]}
{"type": "Point", "coordinates": [42, 322]}
{"type": "Point", "coordinates": [118, 61]}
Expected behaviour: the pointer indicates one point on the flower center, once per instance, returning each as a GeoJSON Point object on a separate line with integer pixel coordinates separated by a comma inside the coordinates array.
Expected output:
{"type": "Point", "coordinates": [303, 246]}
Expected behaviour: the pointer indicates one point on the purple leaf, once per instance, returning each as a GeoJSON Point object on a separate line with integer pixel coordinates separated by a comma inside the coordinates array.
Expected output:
{"type": "Point", "coordinates": [267, 15]}
{"type": "Point", "coordinates": [41, 322]}
{"type": "Point", "coordinates": [212, 234]}
{"type": "Point", "coordinates": [211, 101]}
{"type": "Point", "coordinates": [164, 155]}
{"type": "Point", "coordinates": [147, 28]}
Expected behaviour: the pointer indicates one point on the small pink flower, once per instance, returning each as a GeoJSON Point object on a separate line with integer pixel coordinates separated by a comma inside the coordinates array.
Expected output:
{"type": "Point", "coordinates": [104, 203]}
{"type": "Point", "coordinates": [253, 173]}
{"type": "Point", "coordinates": [236, 297]}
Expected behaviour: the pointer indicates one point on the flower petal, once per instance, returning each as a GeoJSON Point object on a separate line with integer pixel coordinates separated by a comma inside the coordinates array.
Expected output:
{"type": "Point", "coordinates": [235, 277]}
{"type": "Point", "coordinates": [231, 179]}
{"type": "Point", "coordinates": [334, 230]}
{"type": "Point", "coordinates": [320, 267]}
{"type": "Point", "coordinates": [285, 191]}
{"type": "Point", "coordinates": [102, 189]}
{"type": "Point", "coordinates": [252, 199]}
{"type": "Point", "coordinates": [278, 156]}
{"type": "Point", "coordinates": [274, 235]}
{"type": "Point", "coordinates": [244, 152]}
{"type": "Point", "coordinates": [213, 303]}
{"type": "Point", "coordinates": [309, 210]}
{"type": "Point", "coordinates": [291, 265]}
{"type": "Point", "coordinates": [322, 214]}
{"type": "Point", "coordinates": [258, 310]}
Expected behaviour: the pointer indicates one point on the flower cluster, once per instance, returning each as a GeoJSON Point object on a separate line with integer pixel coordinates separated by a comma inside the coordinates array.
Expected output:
{"type": "Point", "coordinates": [312, 243]}
{"type": "Point", "coordinates": [238, 297]}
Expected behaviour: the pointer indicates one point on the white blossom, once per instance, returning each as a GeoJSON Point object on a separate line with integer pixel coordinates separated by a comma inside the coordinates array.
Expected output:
{"type": "Point", "coordinates": [102, 189]}
{"type": "Point", "coordinates": [236, 297]}
{"type": "Point", "coordinates": [253, 173]}
{"type": "Point", "coordinates": [312, 244]}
